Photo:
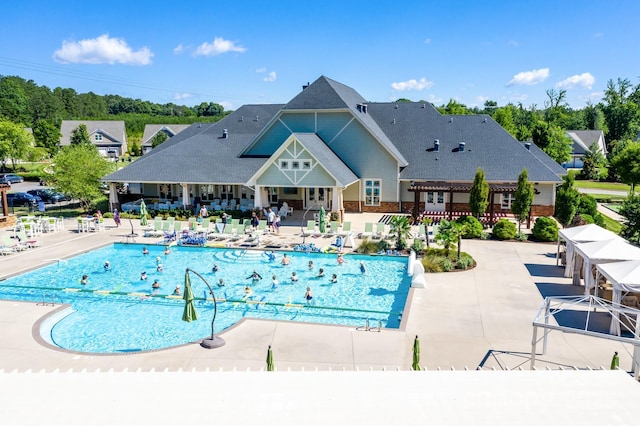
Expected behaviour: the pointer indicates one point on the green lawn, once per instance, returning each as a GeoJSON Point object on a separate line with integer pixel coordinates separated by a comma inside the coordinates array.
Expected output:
{"type": "Point", "coordinates": [610, 186]}
{"type": "Point", "coordinates": [612, 225]}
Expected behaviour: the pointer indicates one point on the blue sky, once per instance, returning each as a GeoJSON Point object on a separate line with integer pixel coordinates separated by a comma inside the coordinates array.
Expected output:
{"type": "Point", "coordinates": [236, 53]}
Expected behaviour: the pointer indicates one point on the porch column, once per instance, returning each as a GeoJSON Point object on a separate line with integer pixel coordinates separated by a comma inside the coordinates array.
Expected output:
{"type": "Point", "coordinates": [335, 199]}
{"type": "Point", "coordinates": [416, 205]}
{"type": "Point", "coordinates": [492, 196]}
{"type": "Point", "coordinates": [185, 195]}
{"type": "Point", "coordinates": [258, 202]}
{"type": "Point", "coordinates": [450, 205]}
{"type": "Point", "coordinates": [113, 196]}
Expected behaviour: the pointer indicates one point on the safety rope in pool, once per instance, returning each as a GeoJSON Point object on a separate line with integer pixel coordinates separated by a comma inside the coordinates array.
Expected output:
{"type": "Point", "coordinates": [171, 296]}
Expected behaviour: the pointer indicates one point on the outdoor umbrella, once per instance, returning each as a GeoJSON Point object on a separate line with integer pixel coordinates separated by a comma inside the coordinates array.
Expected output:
{"type": "Point", "coordinates": [143, 213]}
{"type": "Point", "coordinates": [322, 222]}
{"type": "Point", "coordinates": [416, 354]}
{"type": "Point", "coordinates": [269, 359]}
{"type": "Point", "coordinates": [615, 361]}
{"type": "Point", "coordinates": [190, 313]}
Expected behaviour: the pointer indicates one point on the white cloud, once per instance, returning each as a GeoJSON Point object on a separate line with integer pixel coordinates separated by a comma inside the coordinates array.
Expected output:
{"type": "Point", "coordinates": [218, 47]}
{"type": "Point", "coordinates": [180, 96]}
{"type": "Point", "coordinates": [270, 77]}
{"type": "Point", "coordinates": [227, 105]}
{"type": "Point", "coordinates": [512, 43]}
{"type": "Point", "coordinates": [101, 50]}
{"type": "Point", "coordinates": [433, 99]}
{"type": "Point", "coordinates": [261, 70]}
{"type": "Point", "coordinates": [584, 80]}
{"type": "Point", "coordinates": [178, 49]}
{"type": "Point", "coordinates": [529, 78]}
{"type": "Point", "coordinates": [427, 41]}
{"type": "Point", "coordinates": [412, 84]}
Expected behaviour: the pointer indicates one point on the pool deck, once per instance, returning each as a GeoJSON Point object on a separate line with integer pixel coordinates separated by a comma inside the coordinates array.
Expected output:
{"type": "Point", "coordinates": [477, 318]}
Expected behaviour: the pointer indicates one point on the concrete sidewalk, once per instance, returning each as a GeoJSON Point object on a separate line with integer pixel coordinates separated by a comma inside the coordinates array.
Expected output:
{"type": "Point", "coordinates": [477, 318]}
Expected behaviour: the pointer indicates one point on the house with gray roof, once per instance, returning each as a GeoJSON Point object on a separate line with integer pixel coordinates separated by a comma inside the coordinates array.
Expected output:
{"type": "Point", "coordinates": [151, 131]}
{"type": "Point", "coordinates": [581, 144]}
{"type": "Point", "coordinates": [110, 137]}
{"type": "Point", "coordinates": [330, 147]}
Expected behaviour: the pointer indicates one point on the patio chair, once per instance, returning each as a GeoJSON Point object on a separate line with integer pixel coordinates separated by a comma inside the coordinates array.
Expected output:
{"type": "Point", "coordinates": [368, 230]}
{"type": "Point", "coordinates": [227, 232]}
{"type": "Point", "coordinates": [158, 225]}
{"type": "Point", "coordinates": [346, 229]}
{"type": "Point", "coordinates": [380, 233]}
{"type": "Point", "coordinates": [310, 230]}
{"type": "Point", "coordinates": [29, 243]}
{"type": "Point", "coordinates": [333, 227]}
{"type": "Point", "coordinates": [422, 232]}
{"type": "Point", "coordinates": [262, 226]}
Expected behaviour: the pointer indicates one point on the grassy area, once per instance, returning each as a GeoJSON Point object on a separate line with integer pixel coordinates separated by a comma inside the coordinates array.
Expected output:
{"type": "Point", "coordinates": [608, 198]}
{"type": "Point", "coordinates": [609, 186]}
{"type": "Point", "coordinates": [612, 225]}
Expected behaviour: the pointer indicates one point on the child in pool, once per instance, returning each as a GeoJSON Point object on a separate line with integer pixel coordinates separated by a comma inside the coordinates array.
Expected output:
{"type": "Point", "coordinates": [334, 278]}
{"type": "Point", "coordinates": [294, 277]}
{"type": "Point", "coordinates": [308, 295]}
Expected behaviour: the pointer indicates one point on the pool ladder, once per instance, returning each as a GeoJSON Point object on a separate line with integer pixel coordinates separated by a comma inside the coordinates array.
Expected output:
{"type": "Point", "coordinates": [49, 299]}
{"type": "Point", "coordinates": [367, 326]}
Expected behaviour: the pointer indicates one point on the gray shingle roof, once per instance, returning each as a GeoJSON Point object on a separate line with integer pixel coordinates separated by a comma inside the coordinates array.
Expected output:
{"type": "Point", "coordinates": [582, 140]}
{"type": "Point", "coordinates": [414, 127]}
{"type": "Point", "coordinates": [327, 158]}
{"type": "Point", "coordinates": [115, 130]}
{"type": "Point", "coordinates": [199, 154]}
{"type": "Point", "coordinates": [150, 130]}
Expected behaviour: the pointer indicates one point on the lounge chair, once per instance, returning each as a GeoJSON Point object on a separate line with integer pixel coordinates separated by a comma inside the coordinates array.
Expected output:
{"type": "Point", "coordinates": [368, 230]}
{"type": "Point", "coordinates": [13, 245]}
{"type": "Point", "coordinates": [29, 243]}
{"type": "Point", "coordinates": [380, 231]}
{"type": "Point", "coordinates": [158, 226]}
{"type": "Point", "coordinates": [227, 232]}
{"type": "Point", "coordinates": [346, 229]}
{"type": "Point", "coordinates": [333, 227]}
{"type": "Point", "coordinates": [422, 232]}
{"type": "Point", "coordinates": [310, 230]}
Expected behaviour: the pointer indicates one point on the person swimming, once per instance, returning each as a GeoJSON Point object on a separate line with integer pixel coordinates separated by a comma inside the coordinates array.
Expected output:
{"type": "Point", "coordinates": [363, 269]}
{"type": "Point", "coordinates": [167, 251]}
{"type": "Point", "coordinates": [143, 276]}
{"type": "Point", "coordinates": [271, 256]}
{"type": "Point", "coordinates": [274, 282]}
{"type": "Point", "coordinates": [215, 268]}
{"type": "Point", "coordinates": [334, 278]}
{"type": "Point", "coordinates": [155, 284]}
{"type": "Point", "coordinates": [294, 277]}
{"type": "Point", "coordinates": [320, 273]}
{"type": "Point", "coordinates": [221, 283]}
{"type": "Point", "coordinates": [340, 259]}
{"type": "Point", "coordinates": [310, 264]}
{"type": "Point", "coordinates": [158, 259]}
{"type": "Point", "coordinates": [159, 268]}
{"type": "Point", "coordinates": [145, 251]}
{"type": "Point", "coordinates": [107, 266]}
{"type": "Point", "coordinates": [308, 295]}
{"type": "Point", "coordinates": [84, 280]}
{"type": "Point", "coordinates": [247, 292]}
{"type": "Point", "coordinates": [254, 277]}
{"type": "Point", "coordinates": [285, 259]}
{"type": "Point", "coordinates": [176, 291]}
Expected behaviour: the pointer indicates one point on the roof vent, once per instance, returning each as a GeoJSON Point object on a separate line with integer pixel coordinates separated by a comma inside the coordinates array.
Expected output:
{"type": "Point", "coordinates": [304, 86]}
{"type": "Point", "coordinates": [359, 106]}
{"type": "Point", "coordinates": [423, 106]}
{"type": "Point", "coordinates": [242, 118]}
{"type": "Point", "coordinates": [394, 121]}
{"type": "Point", "coordinates": [436, 145]}
{"type": "Point", "coordinates": [450, 119]}
{"type": "Point", "coordinates": [527, 145]}
{"type": "Point", "coordinates": [461, 147]}
{"type": "Point", "coordinates": [364, 108]}
{"type": "Point", "coordinates": [257, 118]}
{"type": "Point", "coordinates": [395, 106]}
{"type": "Point", "coordinates": [225, 133]}
{"type": "Point", "coordinates": [484, 120]}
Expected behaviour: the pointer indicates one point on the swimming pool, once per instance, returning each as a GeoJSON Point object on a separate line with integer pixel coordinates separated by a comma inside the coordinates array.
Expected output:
{"type": "Point", "coordinates": [114, 313]}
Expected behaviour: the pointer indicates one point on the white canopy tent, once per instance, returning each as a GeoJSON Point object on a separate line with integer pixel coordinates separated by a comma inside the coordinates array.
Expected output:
{"type": "Point", "coordinates": [580, 234]}
{"type": "Point", "coordinates": [598, 252]}
{"type": "Point", "coordinates": [625, 277]}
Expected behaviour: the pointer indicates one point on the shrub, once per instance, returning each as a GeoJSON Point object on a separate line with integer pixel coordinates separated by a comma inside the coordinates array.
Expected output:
{"type": "Point", "coordinates": [504, 230]}
{"type": "Point", "coordinates": [473, 227]}
{"type": "Point", "coordinates": [368, 246]}
{"type": "Point", "coordinates": [383, 245]}
{"type": "Point", "coordinates": [465, 262]}
{"type": "Point", "coordinates": [447, 265]}
{"type": "Point", "coordinates": [417, 246]}
{"type": "Point", "coordinates": [485, 235]}
{"type": "Point", "coordinates": [432, 263]}
{"type": "Point", "coordinates": [521, 236]}
{"type": "Point", "coordinates": [545, 229]}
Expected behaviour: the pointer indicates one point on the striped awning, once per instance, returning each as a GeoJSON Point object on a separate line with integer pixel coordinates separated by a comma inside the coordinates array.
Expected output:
{"type": "Point", "coordinates": [458, 187]}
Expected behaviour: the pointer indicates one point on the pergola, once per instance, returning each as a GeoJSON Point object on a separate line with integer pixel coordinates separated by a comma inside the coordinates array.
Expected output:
{"type": "Point", "coordinates": [451, 188]}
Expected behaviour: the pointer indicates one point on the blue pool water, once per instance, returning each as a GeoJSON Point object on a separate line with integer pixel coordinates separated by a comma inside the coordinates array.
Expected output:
{"type": "Point", "coordinates": [130, 321]}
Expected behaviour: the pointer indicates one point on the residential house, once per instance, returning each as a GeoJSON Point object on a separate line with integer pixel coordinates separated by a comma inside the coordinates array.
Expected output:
{"type": "Point", "coordinates": [329, 147]}
{"type": "Point", "coordinates": [151, 130]}
{"type": "Point", "coordinates": [110, 137]}
{"type": "Point", "coordinates": [582, 141]}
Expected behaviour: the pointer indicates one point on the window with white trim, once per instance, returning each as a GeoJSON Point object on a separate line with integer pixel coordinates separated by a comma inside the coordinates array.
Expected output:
{"type": "Point", "coordinates": [372, 190]}
{"type": "Point", "coordinates": [507, 199]}
{"type": "Point", "coordinates": [306, 165]}
{"type": "Point", "coordinates": [97, 137]}
{"type": "Point", "coordinates": [284, 165]}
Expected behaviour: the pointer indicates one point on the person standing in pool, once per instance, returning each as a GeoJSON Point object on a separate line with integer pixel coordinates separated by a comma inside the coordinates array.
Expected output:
{"type": "Point", "coordinates": [310, 265]}
{"type": "Point", "coordinates": [84, 280]}
{"type": "Point", "coordinates": [107, 266]}
{"type": "Point", "coordinates": [145, 251]}
{"type": "Point", "coordinates": [143, 276]}
{"type": "Point", "coordinates": [221, 283]}
{"type": "Point", "coordinates": [308, 295]}
{"type": "Point", "coordinates": [285, 259]}
{"type": "Point", "coordinates": [320, 273]}
{"type": "Point", "coordinates": [294, 277]}
{"type": "Point", "coordinates": [271, 256]}
{"type": "Point", "coordinates": [334, 278]}
{"type": "Point", "coordinates": [340, 259]}
{"type": "Point", "coordinates": [176, 291]}
{"type": "Point", "coordinates": [215, 268]}
{"type": "Point", "coordinates": [254, 277]}
{"type": "Point", "coordinates": [155, 284]}
{"type": "Point", "coordinates": [274, 282]}
{"type": "Point", "coordinates": [363, 269]}
{"type": "Point", "coordinates": [167, 251]}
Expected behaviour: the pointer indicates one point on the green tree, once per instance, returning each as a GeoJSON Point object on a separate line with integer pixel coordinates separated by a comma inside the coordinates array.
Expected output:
{"type": "Point", "coordinates": [80, 135]}
{"type": "Point", "coordinates": [15, 141]}
{"type": "Point", "coordinates": [630, 209]}
{"type": "Point", "coordinates": [14, 102]}
{"type": "Point", "coordinates": [504, 117]}
{"type": "Point", "coordinates": [594, 164]}
{"type": "Point", "coordinates": [77, 171]}
{"type": "Point", "coordinates": [523, 198]}
{"type": "Point", "coordinates": [558, 145]}
{"type": "Point", "coordinates": [479, 194]}
{"type": "Point", "coordinates": [158, 139]}
{"type": "Point", "coordinates": [453, 107]}
{"type": "Point", "coordinates": [47, 135]}
{"type": "Point", "coordinates": [627, 164]}
{"type": "Point", "coordinates": [620, 111]}
{"type": "Point", "coordinates": [400, 228]}
{"type": "Point", "coordinates": [566, 201]}
{"type": "Point", "coordinates": [450, 235]}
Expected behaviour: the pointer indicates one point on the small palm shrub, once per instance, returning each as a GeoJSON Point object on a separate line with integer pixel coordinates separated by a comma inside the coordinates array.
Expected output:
{"type": "Point", "coordinates": [383, 245]}
{"type": "Point", "coordinates": [545, 229]}
{"type": "Point", "coordinates": [368, 246]}
{"type": "Point", "coordinates": [432, 263]}
{"type": "Point", "coordinates": [521, 236]}
{"type": "Point", "coordinates": [417, 246]}
{"type": "Point", "coordinates": [473, 227]}
{"type": "Point", "coordinates": [465, 262]}
{"type": "Point", "coordinates": [485, 235]}
{"type": "Point", "coordinates": [447, 265]}
{"type": "Point", "coordinates": [504, 230]}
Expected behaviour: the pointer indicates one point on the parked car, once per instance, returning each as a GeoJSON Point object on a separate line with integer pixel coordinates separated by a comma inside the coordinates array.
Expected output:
{"type": "Point", "coordinates": [22, 199]}
{"type": "Point", "coordinates": [48, 195]}
{"type": "Point", "coordinates": [5, 181]}
{"type": "Point", "coordinates": [13, 178]}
